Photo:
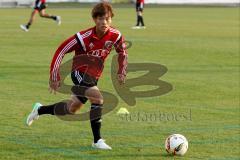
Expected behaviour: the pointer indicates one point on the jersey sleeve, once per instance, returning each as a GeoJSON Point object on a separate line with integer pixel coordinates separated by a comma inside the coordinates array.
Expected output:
{"type": "Point", "coordinates": [67, 46]}
{"type": "Point", "coordinates": [120, 48]}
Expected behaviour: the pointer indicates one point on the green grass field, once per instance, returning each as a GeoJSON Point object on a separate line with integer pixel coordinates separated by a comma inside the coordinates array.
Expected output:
{"type": "Point", "coordinates": [200, 48]}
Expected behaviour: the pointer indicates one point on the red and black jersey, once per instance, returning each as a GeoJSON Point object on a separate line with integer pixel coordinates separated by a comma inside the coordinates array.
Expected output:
{"type": "Point", "coordinates": [139, 5]}
{"type": "Point", "coordinates": [40, 1]}
{"type": "Point", "coordinates": [87, 44]}
{"type": "Point", "coordinates": [140, 1]}
{"type": "Point", "coordinates": [40, 5]}
{"type": "Point", "coordinates": [43, 1]}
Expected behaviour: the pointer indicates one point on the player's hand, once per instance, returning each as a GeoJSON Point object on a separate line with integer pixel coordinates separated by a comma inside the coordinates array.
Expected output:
{"type": "Point", "coordinates": [121, 78]}
{"type": "Point", "coordinates": [53, 86]}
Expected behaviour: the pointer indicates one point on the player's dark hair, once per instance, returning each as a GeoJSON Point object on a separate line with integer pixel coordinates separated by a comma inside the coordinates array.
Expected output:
{"type": "Point", "coordinates": [101, 9]}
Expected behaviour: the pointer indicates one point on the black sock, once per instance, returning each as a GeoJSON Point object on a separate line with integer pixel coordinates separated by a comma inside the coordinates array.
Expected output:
{"type": "Point", "coordinates": [138, 20]}
{"type": "Point", "coordinates": [141, 20]}
{"type": "Point", "coordinates": [54, 17]}
{"type": "Point", "coordinates": [59, 108]}
{"type": "Point", "coordinates": [95, 119]}
{"type": "Point", "coordinates": [28, 25]}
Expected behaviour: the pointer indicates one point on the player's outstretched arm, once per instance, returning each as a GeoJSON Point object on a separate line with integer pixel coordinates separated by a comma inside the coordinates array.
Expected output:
{"type": "Point", "coordinates": [120, 48]}
{"type": "Point", "coordinates": [67, 46]}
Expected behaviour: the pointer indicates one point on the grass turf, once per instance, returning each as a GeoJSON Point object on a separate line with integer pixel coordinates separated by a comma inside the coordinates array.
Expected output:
{"type": "Point", "coordinates": [200, 48]}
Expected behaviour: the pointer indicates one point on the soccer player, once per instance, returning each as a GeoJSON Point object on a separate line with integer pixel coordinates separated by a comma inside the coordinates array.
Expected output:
{"type": "Point", "coordinates": [91, 47]}
{"type": "Point", "coordinates": [139, 10]}
{"type": "Point", "coordinates": [40, 7]}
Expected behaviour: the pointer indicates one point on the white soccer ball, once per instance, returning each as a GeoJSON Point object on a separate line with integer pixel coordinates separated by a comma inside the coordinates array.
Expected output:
{"type": "Point", "coordinates": [176, 144]}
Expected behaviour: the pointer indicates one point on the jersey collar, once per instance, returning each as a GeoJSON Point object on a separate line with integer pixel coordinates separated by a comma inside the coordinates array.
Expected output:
{"type": "Point", "coordinates": [94, 35]}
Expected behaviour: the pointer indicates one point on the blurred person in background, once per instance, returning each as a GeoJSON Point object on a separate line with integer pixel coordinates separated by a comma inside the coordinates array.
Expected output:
{"type": "Point", "coordinates": [39, 7]}
{"type": "Point", "coordinates": [139, 10]}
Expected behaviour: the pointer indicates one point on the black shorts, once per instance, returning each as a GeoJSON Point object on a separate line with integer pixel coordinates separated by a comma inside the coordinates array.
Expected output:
{"type": "Point", "coordinates": [82, 82]}
{"type": "Point", "coordinates": [139, 7]}
{"type": "Point", "coordinates": [39, 5]}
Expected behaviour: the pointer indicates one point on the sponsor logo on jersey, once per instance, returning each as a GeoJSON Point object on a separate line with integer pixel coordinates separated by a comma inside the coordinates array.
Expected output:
{"type": "Point", "coordinates": [98, 53]}
{"type": "Point", "coordinates": [91, 45]}
{"type": "Point", "coordinates": [108, 45]}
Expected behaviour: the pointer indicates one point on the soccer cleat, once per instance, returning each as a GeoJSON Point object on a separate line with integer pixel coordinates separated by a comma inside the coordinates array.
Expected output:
{"type": "Point", "coordinates": [58, 20]}
{"type": "Point", "coordinates": [34, 114]}
{"type": "Point", "coordinates": [23, 27]}
{"type": "Point", "coordinates": [143, 27]}
{"type": "Point", "coordinates": [136, 27]}
{"type": "Point", "coordinates": [101, 145]}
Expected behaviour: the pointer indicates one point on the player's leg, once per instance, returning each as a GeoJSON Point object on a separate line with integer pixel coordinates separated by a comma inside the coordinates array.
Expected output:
{"type": "Point", "coordinates": [64, 107]}
{"type": "Point", "coordinates": [137, 11]}
{"type": "Point", "coordinates": [140, 15]}
{"type": "Point", "coordinates": [75, 105]}
{"type": "Point", "coordinates": [59, 109]}
{"type": "Point", "coordinates": [85, 88]}
{"type": "Point", "coordinates": [32, 18]}
{"type": "Point", "coordinates": [43, 14]}
{"type": "Point", "coordinates": [96, 99]}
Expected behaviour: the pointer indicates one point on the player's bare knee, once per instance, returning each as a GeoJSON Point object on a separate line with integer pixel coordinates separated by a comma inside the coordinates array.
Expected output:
{"type": "Point", "coordinates": [74, 105]}
{"type": "Point", "coordinates": [73, 109]}
{"type": "Point", "coordinates": [42, 14]}
{"type": "Point", "coordinates": [98, 100]}
{"type": "Point", "coordinates": [94, 95]}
